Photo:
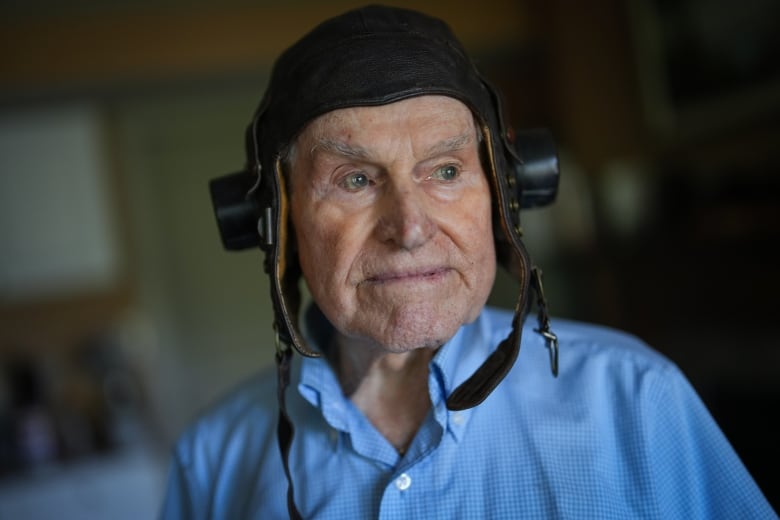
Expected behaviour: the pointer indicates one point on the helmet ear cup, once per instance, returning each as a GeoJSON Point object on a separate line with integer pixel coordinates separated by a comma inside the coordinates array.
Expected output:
{"type": "Point", "coordinates": [530, 181]}
{"type": "Point", "coordinates": [537, 173]}
{"type": "Point", "coordinates": [236, 210]}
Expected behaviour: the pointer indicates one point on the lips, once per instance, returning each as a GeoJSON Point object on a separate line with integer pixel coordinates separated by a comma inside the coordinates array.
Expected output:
{"type": "Point", "coordinates": [415, 275]}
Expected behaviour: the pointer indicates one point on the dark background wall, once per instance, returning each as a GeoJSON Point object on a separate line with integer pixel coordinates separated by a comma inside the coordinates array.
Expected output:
{"type": "Point", "coordinates": [667, 117]}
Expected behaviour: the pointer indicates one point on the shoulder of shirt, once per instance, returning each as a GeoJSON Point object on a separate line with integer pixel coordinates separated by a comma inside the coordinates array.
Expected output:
{"type": "Point", "coordinates": [579, 341]}
{"type": "Point", "coordinates": [597, 364]}
{"type": "Point", "coordinates": [623, 347]}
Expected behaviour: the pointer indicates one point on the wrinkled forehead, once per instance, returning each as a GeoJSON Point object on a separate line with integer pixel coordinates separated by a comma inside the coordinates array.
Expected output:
{"type": "Point", "coordinates": [433, 125]}
{"type": "Point", "coordinates": [420, 112]}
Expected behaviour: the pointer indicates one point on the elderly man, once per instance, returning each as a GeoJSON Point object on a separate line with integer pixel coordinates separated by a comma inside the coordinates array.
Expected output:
{"type": "Point", "coordinates": [380, 169]}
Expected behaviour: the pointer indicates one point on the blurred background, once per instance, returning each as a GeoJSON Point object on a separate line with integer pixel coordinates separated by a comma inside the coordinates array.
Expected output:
{"type": "Point", "coordinates": [121, 317]}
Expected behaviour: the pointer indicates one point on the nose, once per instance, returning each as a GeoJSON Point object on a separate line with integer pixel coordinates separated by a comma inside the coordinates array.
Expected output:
{"type": "Point", "coordinates": [404, 218]}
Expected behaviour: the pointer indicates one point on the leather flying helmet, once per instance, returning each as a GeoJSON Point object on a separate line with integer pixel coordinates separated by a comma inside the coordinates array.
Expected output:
{"type": "Point", "coordinates": [367, 57]}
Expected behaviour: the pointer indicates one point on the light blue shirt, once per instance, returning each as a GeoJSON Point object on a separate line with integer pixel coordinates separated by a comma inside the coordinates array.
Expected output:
{"type": "Point", "coordinates": [620, 433]}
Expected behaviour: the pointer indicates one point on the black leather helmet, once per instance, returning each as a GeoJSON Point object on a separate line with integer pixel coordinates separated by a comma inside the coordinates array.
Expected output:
{"type": "Point", "coordinates": [366, 57]}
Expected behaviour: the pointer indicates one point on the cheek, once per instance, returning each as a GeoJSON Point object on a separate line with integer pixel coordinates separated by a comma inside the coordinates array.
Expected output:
{"type": "Point", "coordinates": [326, 254]}
{"type": "Point", "coordinates": [476, 227]}
{"type": "Point", "coordinates": [477, 240]}
{"type": "Point", "coordinates": [315, 252]}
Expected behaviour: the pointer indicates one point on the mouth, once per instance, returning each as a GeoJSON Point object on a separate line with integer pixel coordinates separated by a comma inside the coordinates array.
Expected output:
{"type": "Point", "coordinates": [421, 275]}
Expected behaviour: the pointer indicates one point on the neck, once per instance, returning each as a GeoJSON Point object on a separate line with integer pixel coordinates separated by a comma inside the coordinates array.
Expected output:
{"type": "Point", "coordinates": [391, 389]}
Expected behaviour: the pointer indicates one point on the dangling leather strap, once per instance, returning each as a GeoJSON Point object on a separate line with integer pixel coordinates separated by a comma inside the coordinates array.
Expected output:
{"type": "Point", "coordinates": [479, 385]}
{"type": "Point", "coordinates": [482, 382]}
{"type": "Point", "coordinates": [285, 429]}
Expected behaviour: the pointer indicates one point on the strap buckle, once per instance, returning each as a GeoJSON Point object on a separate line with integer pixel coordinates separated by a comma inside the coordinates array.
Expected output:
{"type": "Point", "coordinates": [544, 320]}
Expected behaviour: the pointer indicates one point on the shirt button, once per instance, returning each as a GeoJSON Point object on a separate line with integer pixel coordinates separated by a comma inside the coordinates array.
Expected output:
{"type": "Point", "coordinates": [403, 482]}
{"type": "Point", "coordinates": [457, 418]}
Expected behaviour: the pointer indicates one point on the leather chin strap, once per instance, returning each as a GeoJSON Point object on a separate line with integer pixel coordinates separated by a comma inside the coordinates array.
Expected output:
{"type": "Point", "coordinates": [484, 380]}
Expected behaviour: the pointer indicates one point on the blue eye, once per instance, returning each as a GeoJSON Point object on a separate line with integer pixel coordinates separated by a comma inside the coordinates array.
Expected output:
{"type": "Point", "coordinates": [445, 173]}
{"type": "Point", "coordinates": [355, 181]}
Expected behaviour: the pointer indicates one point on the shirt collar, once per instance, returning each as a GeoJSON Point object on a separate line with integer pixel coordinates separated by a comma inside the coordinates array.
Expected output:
{"type": "Point", "coordinates": [455, 361]}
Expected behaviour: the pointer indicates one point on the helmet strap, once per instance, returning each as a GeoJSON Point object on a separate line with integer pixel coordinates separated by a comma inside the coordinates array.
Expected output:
{"type": "Point", "coordinates": [285, 429]}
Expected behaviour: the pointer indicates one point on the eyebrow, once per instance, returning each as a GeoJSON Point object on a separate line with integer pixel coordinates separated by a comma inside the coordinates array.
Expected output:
{"type": "Point", "coordinates": [451, 144]}
{"type": "Point", "coordinates": [347, 150]}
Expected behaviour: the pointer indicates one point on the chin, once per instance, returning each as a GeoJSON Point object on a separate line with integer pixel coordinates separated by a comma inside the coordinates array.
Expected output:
{"type": "Point", "coordinates": [414, 331]}
{"type": "Point", "coordinates": [402, 346]}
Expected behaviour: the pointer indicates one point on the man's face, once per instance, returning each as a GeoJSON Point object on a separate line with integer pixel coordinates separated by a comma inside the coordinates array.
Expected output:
{"type": "Point", "coordinates": [391, 209]}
